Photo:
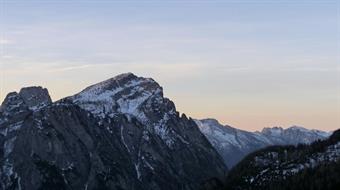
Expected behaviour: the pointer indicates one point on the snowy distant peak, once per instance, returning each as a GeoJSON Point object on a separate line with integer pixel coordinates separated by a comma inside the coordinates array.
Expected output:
{"type": "Point", "coordinates": [211, 121]}
{"type": "Point", "coordinates": [205, 124]}
{"type": "Point", "coordinates": [274, 131]}
{"type": "Point", "coordinates": [322, 133]}
{"type": "Point", "coordinates": [277, 131]}
{"type": "Point", "coordinates": [32, 98]}
{"type": "Point", "coordinates": [311, 131]}
{"type": "Point", "coordinates": [294, 130]}
{"type": "Point", "coordinates": [295, 127]}
{"type": "Point", "coordinates": [212, 127]}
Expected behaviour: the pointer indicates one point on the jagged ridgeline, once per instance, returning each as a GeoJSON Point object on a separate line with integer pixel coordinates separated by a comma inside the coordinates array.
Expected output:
{"type": "Point", "coordinates": [118, 134]}
{"type": "Point", "coordinates": [315, 166]}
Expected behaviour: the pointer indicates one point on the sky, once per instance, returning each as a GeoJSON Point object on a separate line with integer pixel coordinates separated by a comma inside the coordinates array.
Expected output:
{"type": "Point", "coordinates": [250, 64]}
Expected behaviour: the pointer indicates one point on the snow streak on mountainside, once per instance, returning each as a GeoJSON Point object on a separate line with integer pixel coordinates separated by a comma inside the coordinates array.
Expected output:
{"type": "Point", "coordinates": [118, 134]}
{"type": "Point", "coordinates": [234, 144]}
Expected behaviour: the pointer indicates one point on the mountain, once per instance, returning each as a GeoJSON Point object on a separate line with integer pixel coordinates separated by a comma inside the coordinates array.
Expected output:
{"type": "Point", "coordinates": [119, 134]}
{"type": "Point", "coordinates": [234, 144]}
{"type": "Point", "coordinates": [314, 166]}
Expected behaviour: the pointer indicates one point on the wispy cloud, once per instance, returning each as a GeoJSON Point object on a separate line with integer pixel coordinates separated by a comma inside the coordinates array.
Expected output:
{"type": "Point", "coordinates": [6, 57]}
{"type": "Point", "coordinates": [69, 68]}
{"type": "Point", "coordinates": [4, 41]}
{"type": "Point", "coordinates": [63, 68]}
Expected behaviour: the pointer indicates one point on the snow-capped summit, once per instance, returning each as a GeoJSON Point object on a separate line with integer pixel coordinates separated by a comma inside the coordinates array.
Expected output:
{"type": "Point", "coordinates": [135, 97]}
{"type": "Point", "coordinates": [274, 131]}
{"type": "Point", "coordinates": [233, 144]}
{"type": "Point", "coordinates": [117, 84]}
{"type": "Point", "coordinates": [125, 93]}
{"type": "Point", "coordinates": [299, 128]}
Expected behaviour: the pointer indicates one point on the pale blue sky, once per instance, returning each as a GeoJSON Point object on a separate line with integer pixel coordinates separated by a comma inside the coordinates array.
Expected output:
{"type": "Point", "coordinates": [250, 64]}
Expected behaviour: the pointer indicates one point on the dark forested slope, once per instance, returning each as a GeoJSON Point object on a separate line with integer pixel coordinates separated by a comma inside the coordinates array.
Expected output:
{"type": "Point", "coordinates": [315, 166]}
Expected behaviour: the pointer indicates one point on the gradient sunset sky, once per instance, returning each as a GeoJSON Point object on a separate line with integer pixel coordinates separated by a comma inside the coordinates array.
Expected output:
{"type": "Point", "coordinates": [250, 64]}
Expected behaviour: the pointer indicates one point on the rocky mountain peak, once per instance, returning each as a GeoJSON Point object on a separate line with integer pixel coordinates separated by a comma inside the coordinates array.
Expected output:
{"type": "Point", "coordinates": [120, 83]}
{"type": "Point", "coordinates": [35, 97]}
{"type": "Point", "coordinates": [135, 97]}
{"type": "Point", "coordinates": [31, 98]}
{"type": "Point", "coordinates": [125, 93]}
{"type": "Point", "coordinates": [12, 103]}
{"type": "Point", "coordinates": [125, 76]}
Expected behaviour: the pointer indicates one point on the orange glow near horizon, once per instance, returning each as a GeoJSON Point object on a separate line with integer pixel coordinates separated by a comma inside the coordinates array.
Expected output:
{"type": "Point", "coordinates": [241, 111]}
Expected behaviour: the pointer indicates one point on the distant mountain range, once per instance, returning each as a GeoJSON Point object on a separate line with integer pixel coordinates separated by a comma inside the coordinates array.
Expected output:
{"type": "Point", "coordinates": [234, 144]}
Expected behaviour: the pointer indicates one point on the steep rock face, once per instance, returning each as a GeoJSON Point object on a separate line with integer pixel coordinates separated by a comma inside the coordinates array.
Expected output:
{"type": "Point", "coordinates": [118, 134]}
{"type": "Point", "coordinates": [15, 107]}
{"type": "Point", "coordinates": [60, 147]}
{"type": "Point", "coordinates": [234, 144]}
